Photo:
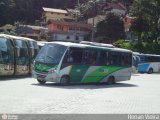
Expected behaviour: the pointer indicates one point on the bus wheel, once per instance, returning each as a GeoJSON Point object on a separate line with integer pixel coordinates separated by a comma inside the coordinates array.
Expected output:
{"type": "Point", "coordinates": [65, 80]}
{"type": "Point", "coordinates": [150, 71]}
{"type": "Point", "coordinates": [110, 80]}
{"type": "Point", "coordinates": [41, 81]}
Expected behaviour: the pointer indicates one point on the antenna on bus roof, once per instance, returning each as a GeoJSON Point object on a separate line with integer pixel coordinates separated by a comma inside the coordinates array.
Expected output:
{"type": "Point", "coordinates": [97, 44]}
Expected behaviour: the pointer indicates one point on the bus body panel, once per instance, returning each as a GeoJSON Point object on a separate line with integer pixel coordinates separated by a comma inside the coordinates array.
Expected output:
{"type": "Point", "coordinates": [91, 74]}
{"type": "Point", "coordinates": [6, 69]}
{"type": "Point", "coordinates": [120, 75]}
{"type": "Point", "coordinates": [144, 67]}
{"type": "Point", "coordinates": [22, 70]}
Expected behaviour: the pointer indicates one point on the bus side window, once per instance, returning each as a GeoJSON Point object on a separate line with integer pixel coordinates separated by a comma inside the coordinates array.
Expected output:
{"type": "Point", "coordinates": [103, 58]}
{"type": "Point", "coordinates": [126, 59]}
{"type": "Point", "coordinates": [114, 58]}
{"type": "Point", "coordinates": [74, 55]}
{"type": "Point", "coordinates": [90, 57]}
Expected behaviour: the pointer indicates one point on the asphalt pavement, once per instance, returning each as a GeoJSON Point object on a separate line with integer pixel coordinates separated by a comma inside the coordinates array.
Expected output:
{"type": "Point", "coordinates": [21, 95]}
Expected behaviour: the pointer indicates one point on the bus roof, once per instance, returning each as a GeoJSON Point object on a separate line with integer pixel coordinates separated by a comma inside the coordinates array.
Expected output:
{"type": "Point", "coordinates": [80, 45]}
{"type": "Point", "coordinates": [42, 43]}
{"type": "Point", "coordinates": [16, 37]}
{"type": "Point", "coordinates": [136, 53]}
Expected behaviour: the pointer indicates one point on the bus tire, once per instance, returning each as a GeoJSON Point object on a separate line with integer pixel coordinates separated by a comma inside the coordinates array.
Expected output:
{"type": "Point", "coordinates": [65, 80]}
{"type": "Point", "coordinates": [111, 80]}
{"type": "Point", "coordinates": [42, 82]}
{"type": "Point", "coordinates": [150, 71]}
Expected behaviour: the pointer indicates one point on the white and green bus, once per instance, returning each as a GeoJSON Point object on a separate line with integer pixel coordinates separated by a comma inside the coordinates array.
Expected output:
{"type": "Point", "coordinates": [65, 62]}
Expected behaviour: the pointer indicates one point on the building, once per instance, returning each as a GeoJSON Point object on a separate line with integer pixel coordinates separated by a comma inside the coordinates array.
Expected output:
{"type": "Point", "coordinates": [116, 8]}
{"type": "Point", "coordinates": [30, 31]}
{"type": "Point", "coordinates": [68, 31]}
{"type": "Point", "coordinates": [55, 14]}
{"type": "Point", "coordinates": [97, 19]}
{"type": "Point", "coordinates": [127, 23]}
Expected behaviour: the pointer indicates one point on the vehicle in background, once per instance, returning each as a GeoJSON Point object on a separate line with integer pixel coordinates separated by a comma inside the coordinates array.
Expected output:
{"type": "Point", "coordinates": [7, 55]}
{"type": "Point", "coordinates": [33, 51]}
{"type": "Point", "coordinates": [135, 61]}
{"type": "Point", "coordinates": [65, 62]}
{"type": "Point", "coordinates": [16, 55]}
{"type": "Point", "coordinates": [41, 44]}
{"type": "Point", "coordinates": [148, 63]}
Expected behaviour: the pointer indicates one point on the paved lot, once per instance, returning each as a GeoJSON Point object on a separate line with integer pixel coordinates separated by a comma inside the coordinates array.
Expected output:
{"type": "Point", "coordinates": [24, 95]}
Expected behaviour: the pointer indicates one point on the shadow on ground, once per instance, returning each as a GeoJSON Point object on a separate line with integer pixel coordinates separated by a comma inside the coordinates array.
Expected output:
{"type": "Point", "coordinates": [85, 86]}
{"type": "Point", "coordinates": [6, 78]}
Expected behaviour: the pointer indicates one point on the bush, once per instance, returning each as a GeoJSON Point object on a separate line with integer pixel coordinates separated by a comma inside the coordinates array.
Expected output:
{"type": "Point", "coordinates": [142, 47]}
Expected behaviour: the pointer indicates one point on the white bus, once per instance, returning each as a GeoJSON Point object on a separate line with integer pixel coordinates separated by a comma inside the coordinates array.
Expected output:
{"type": "Point", "coordinates": [65, 62]}
{"type": "Point", "coordinates": [148, 63]}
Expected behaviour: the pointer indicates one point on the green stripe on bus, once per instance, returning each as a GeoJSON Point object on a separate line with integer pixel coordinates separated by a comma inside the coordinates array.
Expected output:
{"type": "Point", "coordinates": [100, 74]}
{"type": "Point", "coordinates": [44, 67]}
{"type": "Point", "coordinates": [77, 72]}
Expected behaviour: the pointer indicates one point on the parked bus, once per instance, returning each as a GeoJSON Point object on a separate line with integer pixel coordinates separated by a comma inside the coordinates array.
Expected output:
{"type": "Point", "coordinates": [65, 62]}
{"type": "Point", "coordinates": [41, 44]}
{"type": "Point", "coordinates": [33, 49]}
{"type": "Point", "coordinates": [7, 54]}
{"type": "Point", "coordinates": [149, 63]}
{"type": "Point", "coordinates": [135, 61]}
{"type": "Point", "coordinates": [16, 55]}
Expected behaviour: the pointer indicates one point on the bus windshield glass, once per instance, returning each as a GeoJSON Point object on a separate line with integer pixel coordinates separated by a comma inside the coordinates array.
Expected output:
{"type": "Point", "coordinates": [20, 43]}
{"type": "Point", "coordinates": [23, 57]}
{"type": "Point", "coordinates": [51, 53]}
{"type": "Point", "coordinates": [6, 51]}
{"type": "Point", "coordinates": [33, 44]}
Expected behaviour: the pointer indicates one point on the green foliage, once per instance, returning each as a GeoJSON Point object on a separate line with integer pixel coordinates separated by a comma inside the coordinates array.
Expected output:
{"type": "Point", "coordinates": [90, 8]}
{"type": "Point", "coordinates": [141, 27]}
{"type": "Point", "coordinates": [149, 11]}
{"type": "Point", "coordinates": [29, 10]}
{"type": "Point", "coordinates": [111, 28]}
{"type": "Point", "coordinates": [142, 47]}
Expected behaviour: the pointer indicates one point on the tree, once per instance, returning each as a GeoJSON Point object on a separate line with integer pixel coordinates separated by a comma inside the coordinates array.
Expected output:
{"type": "Point", "coordinates": [149, 10]}
{"type": "Point", "coordinates": [29, 10]}
{"type": "Point", "coordinates": [112, 28]}
{"type": "Point", "coordinates": [140, 26]}
{"type": "Point", "coordinates": [90, 8]}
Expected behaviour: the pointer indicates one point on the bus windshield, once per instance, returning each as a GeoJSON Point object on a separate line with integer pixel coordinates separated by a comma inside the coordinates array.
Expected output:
{"type": "Point", "coordinates": [51, 53]}
{"type": "Point", "coordinates": [33, 44]}
{"type": "Point", "coordinates": [23, 58]}
{"type": "Point", "coordinates": [6, 52]}
{"type": "Point", "coordinates": [20, 43]}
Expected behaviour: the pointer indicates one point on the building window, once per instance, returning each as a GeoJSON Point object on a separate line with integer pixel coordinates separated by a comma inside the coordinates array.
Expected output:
{"type": "Point", "coordinates": [66, 14]}
{"type": "Point", "coordinates": [72, 28]}
{"type": "Point", "coordinates": [60, 27]}
{"type": "Point", "coordinates": [68, 37]}
{"type": "Point", "coordinates": [77, 37]}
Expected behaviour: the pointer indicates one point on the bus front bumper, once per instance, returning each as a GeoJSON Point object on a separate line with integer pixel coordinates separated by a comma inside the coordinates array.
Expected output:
{"type": "Point", "coordinates": [50, 77]}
